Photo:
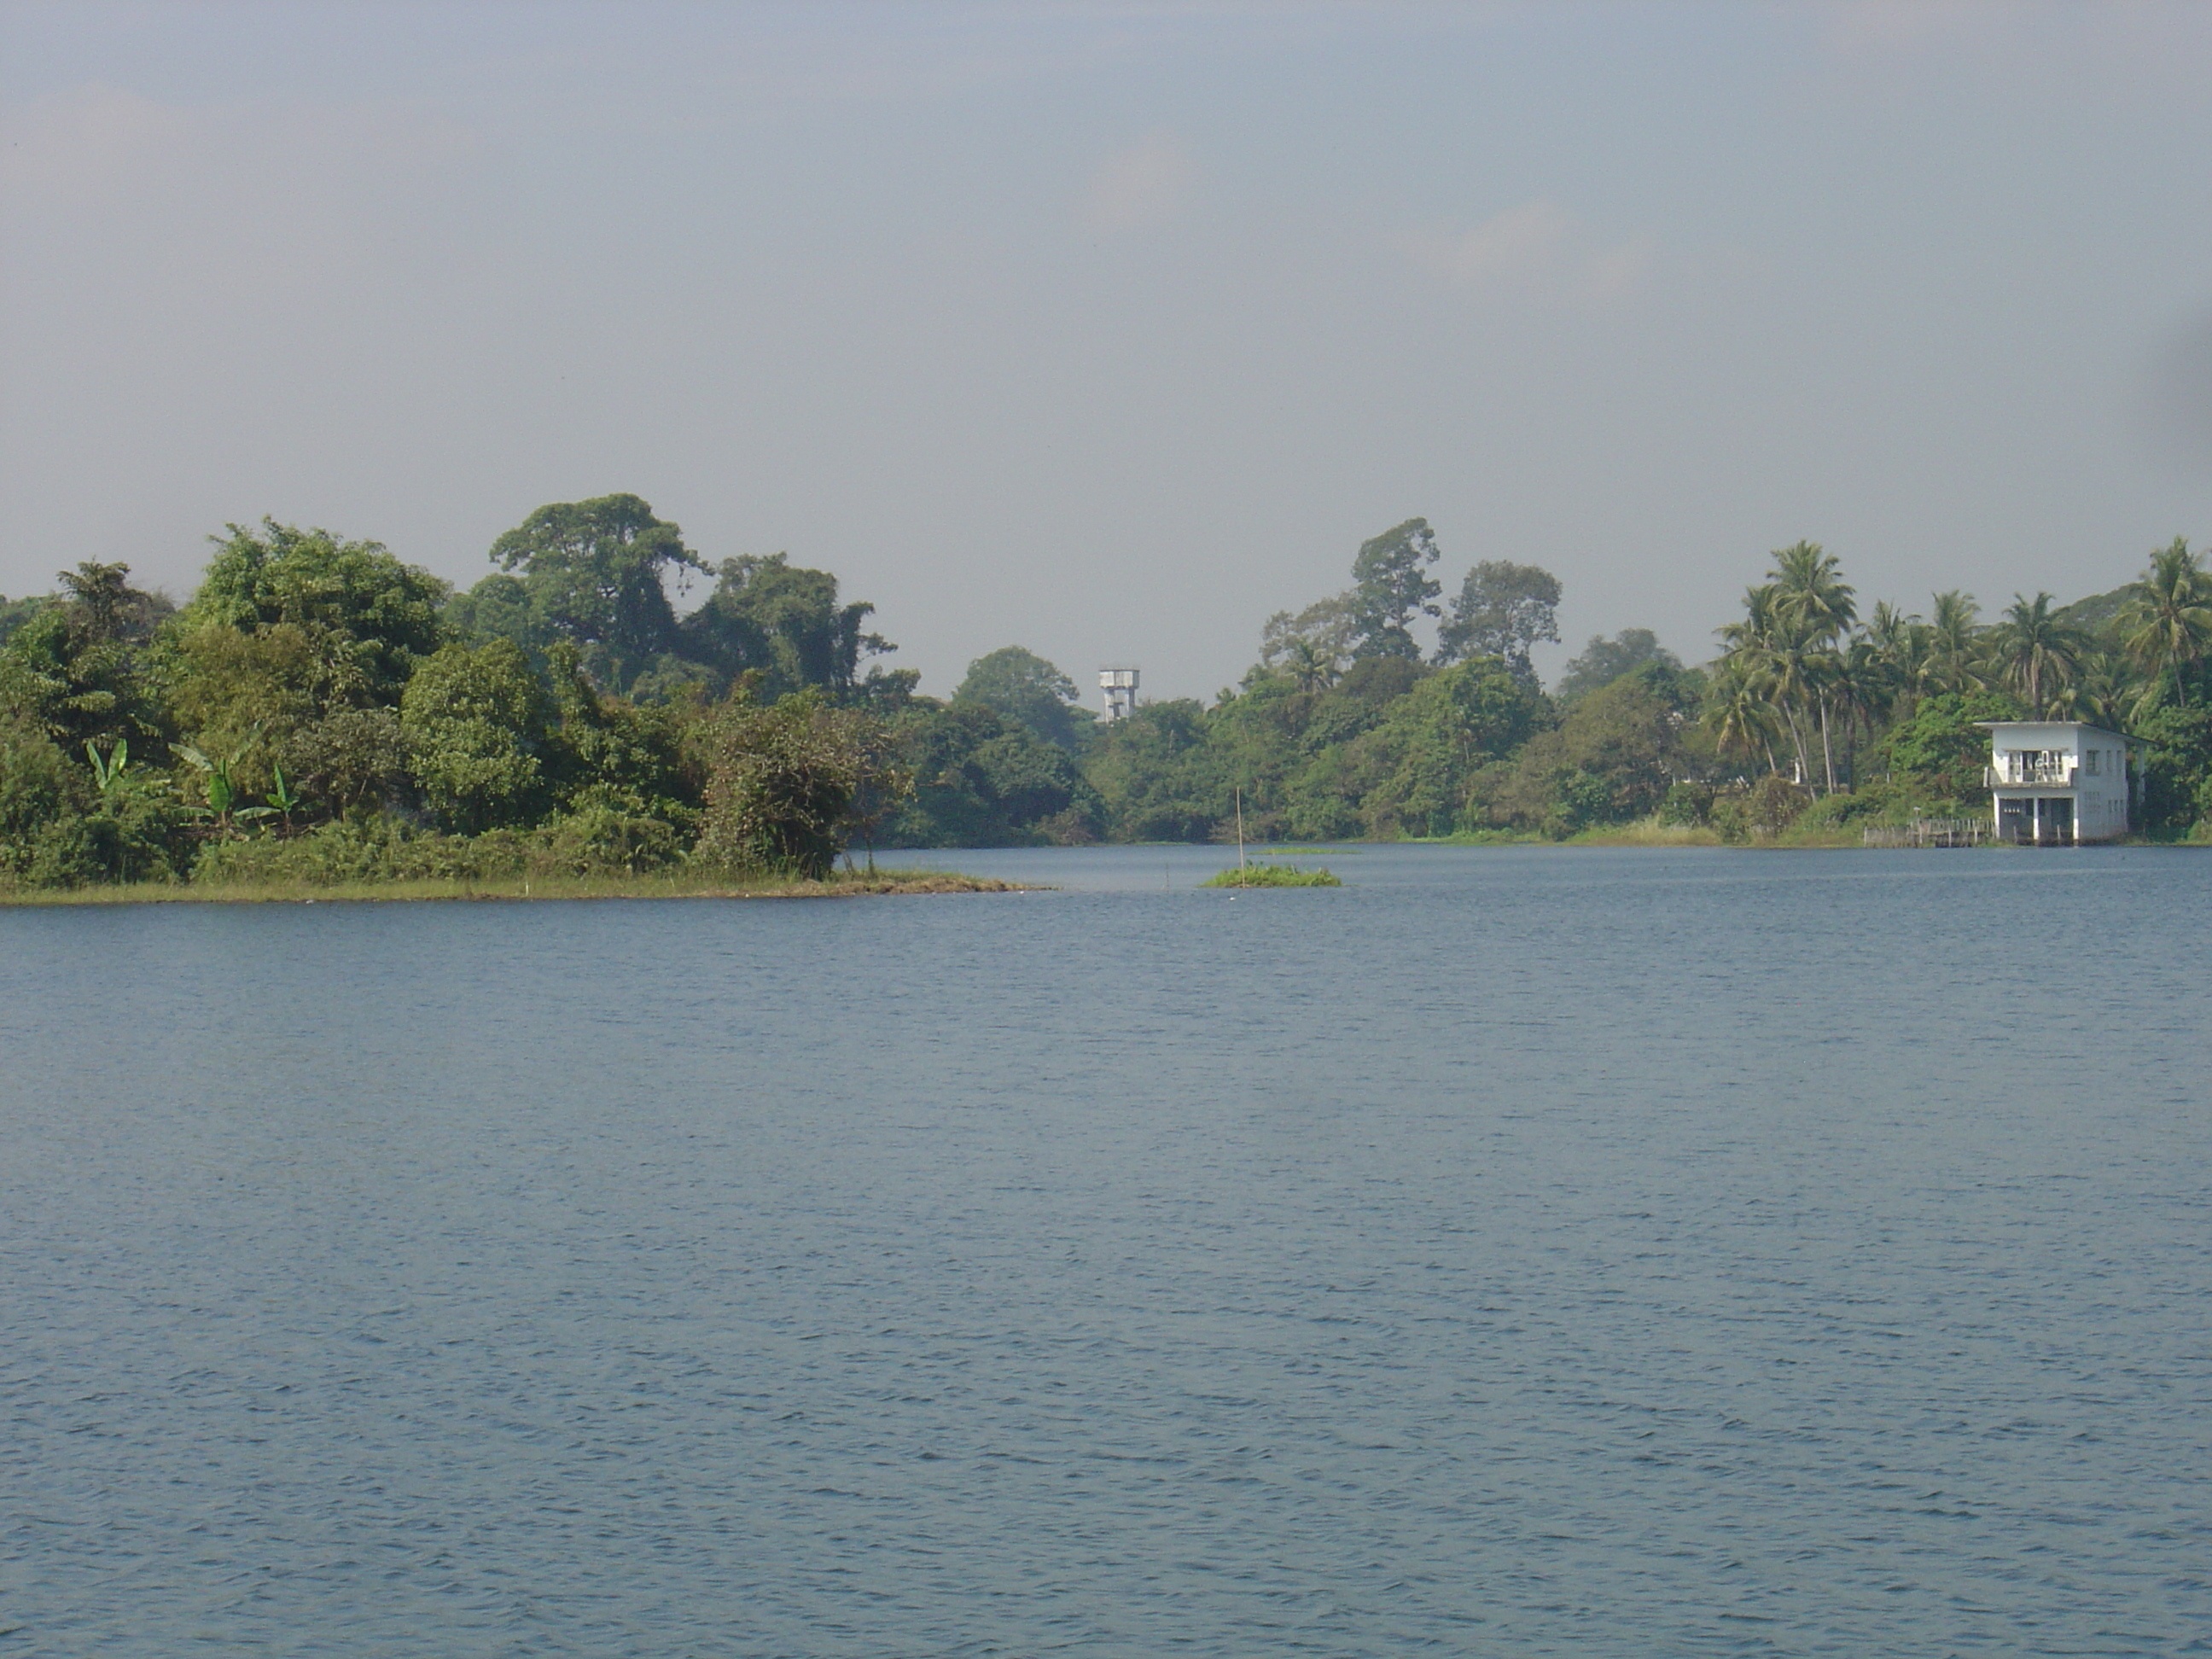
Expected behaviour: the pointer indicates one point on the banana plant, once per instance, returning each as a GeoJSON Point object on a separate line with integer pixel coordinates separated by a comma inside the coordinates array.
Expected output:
{"type": "Point", "coordinates": [108, 770]}
{"type": "Point", "coordinates": [283, 797]}
{"type": "Point", "coordinates": [223, 794]}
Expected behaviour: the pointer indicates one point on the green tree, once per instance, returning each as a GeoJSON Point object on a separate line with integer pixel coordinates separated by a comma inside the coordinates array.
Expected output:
{"type": "Point", "coordinates": [45, 801]}
{"type": "Point", "coordinates": [1159, 776]}
{"type": "Point", "coordinates": [79, 665]}
{"type": "Point", "coordinates": [1433, 743]}
{"type": "Point", "coordinates": [2166, 624]}
{"type": "Point", "coordinates": [595, 572]}
{"type": "Point", "coordinates": [1030, 691]}
{"type": "Point", "coordinates": [1937, 755]}
{"type": "Point", "coordinates": [476, 720]}
{"type": "Point", "coordinates": [1313, 645]}
{"type": "Point", "coordinates": [1603, 661]}
{"type": "Point", "coordinates": [1503, 610]}
{"type": "Point", "coordinates": [14, 613]}
{"type": "Point", "coordinates": [619, 754]}
{"type": "Point", "coordinates": [1311, 668]}
{"type": "Point", "coordinates": [367, 618]}
{"type": "Point", "coordinates": [1611, 760]}
{"type": "Point", "coordinates": [783, 622]}
{"type": "Point", "coordinates": [1902, 642]}
{"type": "Point", "coordinates": [1741, 720]}
{"type": "Point", "coordinates": [783, 781]}
{"type": "Point", "coordinates": [1954, 645]}
{"type": "Point", "coordinates": [1390, 587]}
{"type": "Point", "coordinates": [2175, 766]}
{"type": "Point", "coordinates": [2037, 654]}
{"type": "Point", "coordinates": [1861, 688]}
{"type": "Point", "coordinates": [501, 607]}
{"type": "Point", "coordinates": [1814, 608]}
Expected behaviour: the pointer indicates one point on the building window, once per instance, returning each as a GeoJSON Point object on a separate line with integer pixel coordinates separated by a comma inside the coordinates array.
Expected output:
{"type": "Point", "coordinates": [2090, 757]}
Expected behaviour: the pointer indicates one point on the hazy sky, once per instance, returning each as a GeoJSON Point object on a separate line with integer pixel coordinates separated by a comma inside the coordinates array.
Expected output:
{"type": "Point", "coordinates": [1109, 328]}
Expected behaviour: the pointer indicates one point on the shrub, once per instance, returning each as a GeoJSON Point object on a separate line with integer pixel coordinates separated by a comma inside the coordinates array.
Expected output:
{"type": "Point", "coordinates": [1760, 812]}
{"type": "Point", "coordinates": [1687, 804]}
{"type": "Point", "coordinates": [782, 780]}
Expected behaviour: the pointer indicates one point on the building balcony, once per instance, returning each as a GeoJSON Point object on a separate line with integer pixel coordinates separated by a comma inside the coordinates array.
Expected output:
{"type": "Point", "coordinates": [2030, 777]}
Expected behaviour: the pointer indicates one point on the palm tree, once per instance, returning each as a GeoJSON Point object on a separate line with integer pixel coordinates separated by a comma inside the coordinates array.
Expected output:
{"type": "Point", "coordinates": [1789, 669]}
{"type": "Point", "coordinates": [1769, 652]}
{"type": "Point", "coordinates": [2168, 619]}
{"type": "Point", "coordinates": [1311, 665]}
{"type": "Point", "coordinates": [1903, 643]}
{"type": "Point", "coordinates": [1888, 627]}
{"type": "Point", "coordinates": [1741, 719]}
{"type": "Point", "coordinates": [2038, 653]}
{"type": "Point", "coordinates": [1862, 686]}
{"type": "Point", "coordinates": [1954, 643]}
{"type": "Point", "coordinates": [1757, 623]}
{"type": "Point", "coordinates": [1817, 605]}
{"type": "Point", "coordinates": [1811, 593]}
{"type": "Point", "coordinates": [2103, 686]}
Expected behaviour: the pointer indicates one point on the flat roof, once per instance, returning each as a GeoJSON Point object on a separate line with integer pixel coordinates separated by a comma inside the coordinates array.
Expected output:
{"type": "Point", "coordinates": [2076, 726]}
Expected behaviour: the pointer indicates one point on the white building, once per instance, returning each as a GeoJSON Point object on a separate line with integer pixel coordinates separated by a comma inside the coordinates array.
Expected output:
{"type": "Point", "coordinates": [1120, 686]}
{"type": "Point", "coordinates": [2057, 782]}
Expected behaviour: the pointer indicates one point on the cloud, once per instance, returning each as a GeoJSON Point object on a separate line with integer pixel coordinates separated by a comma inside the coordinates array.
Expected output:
{"type": "Point", "coordinates": [1147, 184]}
{"type": "Point", "coordinates": [1538, 248]}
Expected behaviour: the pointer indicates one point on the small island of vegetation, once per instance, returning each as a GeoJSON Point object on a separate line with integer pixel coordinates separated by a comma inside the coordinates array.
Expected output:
{"type": "Point", "coordinates": [319, 716]}
{"type": "Point", "coordinates": [1271, 875]}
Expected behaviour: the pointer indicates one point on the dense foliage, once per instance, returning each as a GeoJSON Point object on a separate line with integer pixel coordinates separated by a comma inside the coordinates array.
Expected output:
{"type": "Point", "coordinates": [320, 711]}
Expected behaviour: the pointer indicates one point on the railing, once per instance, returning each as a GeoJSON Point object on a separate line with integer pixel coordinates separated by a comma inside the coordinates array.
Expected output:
{"type": "Point", "coordinates": [1928, 832]}
{"type": "Point", "coordinates": [2017, 777]}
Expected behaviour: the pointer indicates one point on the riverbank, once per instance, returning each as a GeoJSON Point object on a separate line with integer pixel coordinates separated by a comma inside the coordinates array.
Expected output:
{"type": "Point", "coordinates": [1649, 832]}
{"type": "Point", "coordinates": [840, 885]}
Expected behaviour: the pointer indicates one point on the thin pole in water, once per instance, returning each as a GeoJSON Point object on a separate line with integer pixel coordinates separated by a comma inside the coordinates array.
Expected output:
{"type": "Point", "coordinates": [1240, 834]}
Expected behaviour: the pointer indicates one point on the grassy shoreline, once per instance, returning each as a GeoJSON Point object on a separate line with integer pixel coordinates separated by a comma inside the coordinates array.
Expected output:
{"type": "Point", "coordinates": [1646, 833]}
{"type": "Point", "coordinates": [519, 889]}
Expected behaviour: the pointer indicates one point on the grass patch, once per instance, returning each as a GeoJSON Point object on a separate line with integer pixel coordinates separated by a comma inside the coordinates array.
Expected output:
{"type": "Point", "coordinates": [1272, 875]}
{"type": "Point", "coordinates": [1648, 832]}
{"type": "Point", "coordinates": [656, 885]}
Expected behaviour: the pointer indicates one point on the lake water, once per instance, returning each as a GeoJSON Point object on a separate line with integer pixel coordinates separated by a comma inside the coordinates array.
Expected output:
{"type": "Point", "coordinates": [1515, 1252]}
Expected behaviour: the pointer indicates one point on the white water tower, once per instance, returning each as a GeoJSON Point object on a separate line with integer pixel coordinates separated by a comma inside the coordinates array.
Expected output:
{"type": "Point", "coordinates": [1120, 686]}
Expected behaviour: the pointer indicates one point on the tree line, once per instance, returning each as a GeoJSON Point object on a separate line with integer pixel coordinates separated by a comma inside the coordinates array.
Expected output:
{"type": "Point", "coordinates": [317, 710]}
{"type": "Point", "coordinates": [1810, 719]}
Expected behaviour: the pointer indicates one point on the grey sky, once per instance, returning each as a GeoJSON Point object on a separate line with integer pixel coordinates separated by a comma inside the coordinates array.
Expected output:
{"type": "Point", "coordinates": [1107, 329]}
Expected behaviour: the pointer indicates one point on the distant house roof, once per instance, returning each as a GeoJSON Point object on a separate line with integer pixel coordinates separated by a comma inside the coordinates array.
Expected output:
{"type": "Point", "coordinates": [1994, 726]}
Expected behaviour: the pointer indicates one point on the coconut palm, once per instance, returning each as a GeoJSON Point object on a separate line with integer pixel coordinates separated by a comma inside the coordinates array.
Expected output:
{"type": "Point", "coordinates": [1888, 628]}
{"type": "Point", "coordinates": [1904, 643]}
{"type": "Point", "coordinates": [1953, 661]}
{"type": "Point", "coordinates": [1862, 686]}
{"type": "Point", "coordinates": [2167, 623]}
{"type": "Point", "coordinates": [1790, 669]}
{"type": "Point", "coordinates": [1810, 591]}
{"type": "Point", "coordinates": [1816, 606]}
{"type": "Point", "coordinates": [2103, 686]}
{"type": "Point", "coordinates": [1771, 653]}
{"type": "Point", "coordinates": [1311, 665]}
{"type": "Point", "coordinates": [2037, 652]}
{"type": "Point", "coordinates": [1743, 722]}
{"type": "Point", "coordinates": [1757, 623]}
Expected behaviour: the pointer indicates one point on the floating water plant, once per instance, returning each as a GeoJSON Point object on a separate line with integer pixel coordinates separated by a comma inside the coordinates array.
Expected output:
{"type": "Point", "coordinates": [1272, 875]}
